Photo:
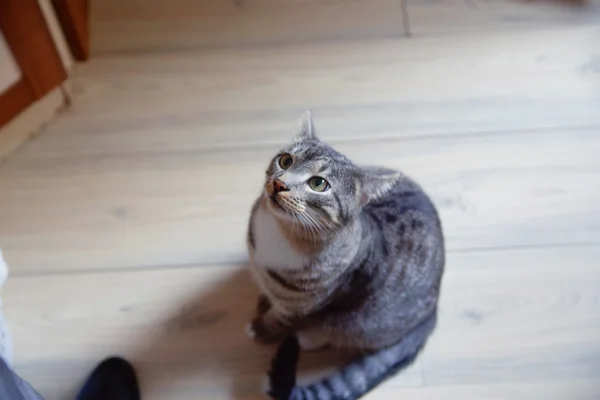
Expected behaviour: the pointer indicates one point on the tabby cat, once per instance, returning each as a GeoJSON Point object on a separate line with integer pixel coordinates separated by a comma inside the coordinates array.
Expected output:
{"type": "Point", "coordinates": [344, 256]}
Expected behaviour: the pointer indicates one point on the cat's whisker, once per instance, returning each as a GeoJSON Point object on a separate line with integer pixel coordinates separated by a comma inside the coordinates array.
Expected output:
{"type": "Point", "coordinates": [316, 227]}
{"type": "Point", "coordinates": [316, 219]}
{"type": "Point", "coordinates": [309, 225]}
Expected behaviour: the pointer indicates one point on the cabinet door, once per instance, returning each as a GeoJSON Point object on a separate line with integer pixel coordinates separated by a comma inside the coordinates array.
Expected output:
{"type": "Point", "coordinates": [30, 65]}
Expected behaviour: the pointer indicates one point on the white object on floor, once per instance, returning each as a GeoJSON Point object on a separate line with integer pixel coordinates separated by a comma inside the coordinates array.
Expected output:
{"type": "Point", "coordinates": [5, 339]}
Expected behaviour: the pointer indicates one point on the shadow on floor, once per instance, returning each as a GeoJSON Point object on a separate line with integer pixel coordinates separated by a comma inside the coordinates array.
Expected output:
{"type": "Point", "coordinates": [201, 351]}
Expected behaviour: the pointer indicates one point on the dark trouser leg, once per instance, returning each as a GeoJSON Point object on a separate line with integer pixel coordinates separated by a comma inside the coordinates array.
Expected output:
{"type": "Point", "coordinates": [113, 379]}
{"type": "Point", "coordinates": [14, 388]}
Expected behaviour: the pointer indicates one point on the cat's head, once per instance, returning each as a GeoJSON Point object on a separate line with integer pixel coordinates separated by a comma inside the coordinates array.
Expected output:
{"type": "Point", "coordinates": [313, 185]}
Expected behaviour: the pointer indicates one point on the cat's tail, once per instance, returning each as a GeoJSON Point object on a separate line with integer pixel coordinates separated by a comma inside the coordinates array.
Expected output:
{"type": "Point", "coordinates": [354, 380]}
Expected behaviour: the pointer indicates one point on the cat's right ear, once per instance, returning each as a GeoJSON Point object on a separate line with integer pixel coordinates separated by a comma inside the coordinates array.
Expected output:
{"type": "Point", "coordinates": [375, 182]}
{"type": "Point", "coordinates": [306, 127]}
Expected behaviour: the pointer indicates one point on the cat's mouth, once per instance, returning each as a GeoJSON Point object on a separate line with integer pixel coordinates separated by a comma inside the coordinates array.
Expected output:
{"type": "Point", "coordinates": [277, 203]}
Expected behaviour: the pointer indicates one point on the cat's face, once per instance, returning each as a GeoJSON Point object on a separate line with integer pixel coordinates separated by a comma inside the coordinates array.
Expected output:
{"type": "Point", "coordinates": [310, 184]}
{"type": "Point", "coordinates": [314, 185]}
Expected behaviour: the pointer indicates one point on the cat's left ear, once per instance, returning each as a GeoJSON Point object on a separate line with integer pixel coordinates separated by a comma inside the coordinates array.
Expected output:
{"type": "Point", "coordinates": [375, 182]}
{"type": "Point", "coordinates": [306, 127]}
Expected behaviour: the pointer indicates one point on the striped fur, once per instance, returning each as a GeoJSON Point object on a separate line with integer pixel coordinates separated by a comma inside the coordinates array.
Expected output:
{"type": "Point", "coordinates": [354, 380]}
{"type": "Point", "coordinates": [358, 264]}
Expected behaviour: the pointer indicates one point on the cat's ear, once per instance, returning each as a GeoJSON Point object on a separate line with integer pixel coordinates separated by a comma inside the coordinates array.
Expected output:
{"type": "Point", "coordinates": [306, 127]}
{"type": "Point", "coordinates": [374, 182]}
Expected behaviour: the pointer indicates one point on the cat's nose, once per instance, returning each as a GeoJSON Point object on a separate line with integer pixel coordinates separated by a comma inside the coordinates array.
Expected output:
{"type": "Point", "coordinates": [279, 186]}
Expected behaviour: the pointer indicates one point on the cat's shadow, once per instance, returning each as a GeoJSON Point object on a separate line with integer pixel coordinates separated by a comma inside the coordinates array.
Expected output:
{"type": "Point", "coordinates": [201, 351]}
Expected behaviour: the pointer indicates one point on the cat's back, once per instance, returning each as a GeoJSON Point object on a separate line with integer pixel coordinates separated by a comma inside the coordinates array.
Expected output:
{"type": "Point", "coordinates": [374, 279]}
{"type": "Point", "coordinates": [406, 225]}
{"type": "Point", "coordinates": [405, 202]}
{"type": "Point", "coordinates": [395, 282]}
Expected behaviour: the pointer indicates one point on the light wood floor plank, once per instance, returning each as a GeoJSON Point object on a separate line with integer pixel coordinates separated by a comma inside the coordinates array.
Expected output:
{"type": "Point", "coordinates": [452, 17]}
{"type": "Point", "coordinates": [124, 222]}
{"type": "Point", "coordinates": [151, 25]}
{"type": "Point", "coordinates": [132, 210]}
{"type": "Point", "coordinates": [134, 25]}
{"type": "Point", "coordinates": [581, 389]}
{"type": "Point", "coordinates": [509, 321]}
{"type": "Point", "coordinates": [389, 88]}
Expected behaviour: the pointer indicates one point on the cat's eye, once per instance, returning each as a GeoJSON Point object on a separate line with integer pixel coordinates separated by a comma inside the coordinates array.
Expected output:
{"type": "Point", "coordinates": [318, 184]}
{"type": "Point", "coordinates": [286, 161]}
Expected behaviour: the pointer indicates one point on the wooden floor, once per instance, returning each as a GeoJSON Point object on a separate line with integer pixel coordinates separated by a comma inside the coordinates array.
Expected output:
{"type": "Point", "coordinates": [124, 221]}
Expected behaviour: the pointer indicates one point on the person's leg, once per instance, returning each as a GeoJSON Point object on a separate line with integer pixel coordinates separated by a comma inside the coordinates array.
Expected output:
{"type": "Point", "coordinates": [14, 388]}
{"type": "Point", "coordinates": [11, 386]}
{"type": "Point", "coordinates": [5, 339]}
{"type": "Point", "coordinates": [113, 379]}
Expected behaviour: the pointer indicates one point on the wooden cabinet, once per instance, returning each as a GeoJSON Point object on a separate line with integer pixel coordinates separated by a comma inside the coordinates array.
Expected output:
{"type": "Point", "coordinates": [32, 51]}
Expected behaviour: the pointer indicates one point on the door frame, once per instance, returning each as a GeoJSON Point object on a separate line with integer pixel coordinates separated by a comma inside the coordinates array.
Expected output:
{"type": "Point", "coordinates": [73, 16]}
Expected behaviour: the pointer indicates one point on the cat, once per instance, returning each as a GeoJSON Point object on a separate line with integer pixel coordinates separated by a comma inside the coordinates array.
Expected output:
{"type": "Point", "coordinates": [344, 256]}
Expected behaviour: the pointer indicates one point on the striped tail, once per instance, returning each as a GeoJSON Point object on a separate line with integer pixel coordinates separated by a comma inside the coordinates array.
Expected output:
{"type": "Point", "coordinates": [354, 380]}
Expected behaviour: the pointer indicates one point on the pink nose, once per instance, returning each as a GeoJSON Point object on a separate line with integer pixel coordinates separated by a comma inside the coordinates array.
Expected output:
{"type": "Point", "coordinates": [278, 186]}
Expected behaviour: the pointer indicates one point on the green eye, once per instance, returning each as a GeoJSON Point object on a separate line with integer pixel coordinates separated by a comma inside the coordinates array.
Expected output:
{"type": "Point", "coordinates": [318, 184]}
{"type": "Point", "coordinates": [286, 161]}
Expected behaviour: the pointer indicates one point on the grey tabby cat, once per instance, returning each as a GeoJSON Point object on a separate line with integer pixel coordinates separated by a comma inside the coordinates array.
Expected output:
{"type": "Point", "coordinates": [345, 256]}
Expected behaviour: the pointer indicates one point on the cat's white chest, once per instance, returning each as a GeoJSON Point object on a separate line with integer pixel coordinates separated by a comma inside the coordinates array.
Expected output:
{"type": "Point", "coordinates": [272, 249]}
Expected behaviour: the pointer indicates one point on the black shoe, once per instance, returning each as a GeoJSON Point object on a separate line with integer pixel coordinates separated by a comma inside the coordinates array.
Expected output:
{"type": "Point", "coordinates": [113, 379]}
